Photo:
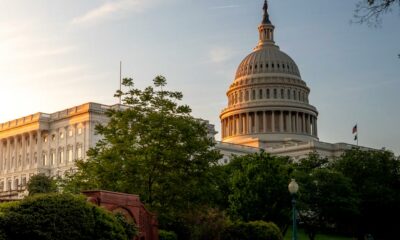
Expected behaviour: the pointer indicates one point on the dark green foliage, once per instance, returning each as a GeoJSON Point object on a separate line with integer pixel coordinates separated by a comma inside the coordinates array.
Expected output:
{"type": "Point", "coordinates": [61, 217]}
{"type": "Point", "coordinates": [154, 148]}
{"type": "Point", "coordinates": [259, 189]}
{"type": "Point", "coordinates": [167, 235]}
{"type": "Point", "coordinates": [257, 230]}
{"type": "Point", "coordinates": [130, 228]}
{"type": "Point", "coordinates": [326, 198]}
{"type": "Point", "coordinates": [375, 178]}
{"type": "Point", "coordinates": [41, 183]}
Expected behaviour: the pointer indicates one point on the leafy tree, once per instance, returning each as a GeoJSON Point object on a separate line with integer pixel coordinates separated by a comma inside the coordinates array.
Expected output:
{"type": "Point", "coordinates": [326, 198]}
{"type": "Point", "coordinates": [153, 147]}
{"type": "Point", "coordinates": [259, 189]}
{"type": "Point", "coordinates": [41, 183]}
{"type": "Point", "coordinates": [375, 177]}
{"type": "Point", "coordinates": [371, 11]}
{"type": "Point", "coordinates": [58, 216]}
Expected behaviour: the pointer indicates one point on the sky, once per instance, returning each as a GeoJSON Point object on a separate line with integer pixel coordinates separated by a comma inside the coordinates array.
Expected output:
{"type": "Point", "coordinates": [58, 54]}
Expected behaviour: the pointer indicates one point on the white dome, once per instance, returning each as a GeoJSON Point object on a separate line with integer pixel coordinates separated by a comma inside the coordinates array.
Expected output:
{"type": "Point", "coordinates": [268, 59]}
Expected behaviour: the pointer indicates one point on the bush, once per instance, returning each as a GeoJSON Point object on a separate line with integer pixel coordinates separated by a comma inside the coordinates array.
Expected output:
{"type": "Point", "coordinates": [257, 230]}
{"type": "Point", "coordinates": [167, 235]}
{"type": "Point", "coordinates": [58, 216]}
{"type": "Point", "coordinates": [41, 183]}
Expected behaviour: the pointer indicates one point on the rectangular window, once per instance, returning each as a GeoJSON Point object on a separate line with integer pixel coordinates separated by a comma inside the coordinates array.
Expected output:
{"type": "Point", "coordinates": [69, 155]}
{"type": "Point", "coordinates": [79, 131]}
{"type": "Point", "coordinates": [70, 133]}
{"type": "Point", "coordinates": [61, 156]}
{"type": "Point", "coordinates": [79, 151]}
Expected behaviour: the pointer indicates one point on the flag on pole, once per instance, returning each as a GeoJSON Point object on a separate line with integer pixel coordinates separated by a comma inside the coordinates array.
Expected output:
{"type": "Point", "coordinates": [355, 129]}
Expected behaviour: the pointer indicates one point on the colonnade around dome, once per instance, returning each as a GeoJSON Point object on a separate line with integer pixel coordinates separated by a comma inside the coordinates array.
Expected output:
{"type": "Point", "coordinates": [267, 122]}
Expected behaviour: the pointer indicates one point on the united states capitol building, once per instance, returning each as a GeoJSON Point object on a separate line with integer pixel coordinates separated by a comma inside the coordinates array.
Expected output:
{"type": "Point", "coordinates": [267, 109]}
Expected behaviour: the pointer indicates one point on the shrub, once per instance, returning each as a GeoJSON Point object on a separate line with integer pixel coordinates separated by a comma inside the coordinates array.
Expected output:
{"type": "Point", "coordinates": [41, 183]}
{"type": "Point", "coordinates": [167, 235]}
{"type": "Point", "coordinates": [58, 216]}
{"type": "Point", "coordinates": [257, 230]}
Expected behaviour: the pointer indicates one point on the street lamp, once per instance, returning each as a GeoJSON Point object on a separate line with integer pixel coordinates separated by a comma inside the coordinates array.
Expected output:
{"type": "Point", "coordinates": [293, 189]}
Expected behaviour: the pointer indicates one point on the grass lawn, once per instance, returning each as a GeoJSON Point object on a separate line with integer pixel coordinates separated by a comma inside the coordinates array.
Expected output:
{"type": "Point", "coordinates": [302, 236]}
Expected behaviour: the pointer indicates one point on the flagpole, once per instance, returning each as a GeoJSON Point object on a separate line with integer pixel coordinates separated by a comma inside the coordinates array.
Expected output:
{"type": "Point", "coordinates": [120, 80]}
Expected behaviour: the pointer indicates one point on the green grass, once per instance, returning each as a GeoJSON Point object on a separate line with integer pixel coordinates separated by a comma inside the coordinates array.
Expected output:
{"type": "Point", "coordinates": [302, 236]}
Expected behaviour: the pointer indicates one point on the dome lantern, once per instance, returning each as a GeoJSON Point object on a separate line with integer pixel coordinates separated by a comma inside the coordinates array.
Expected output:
{"type": "Point", "coordinates": [266, 29]}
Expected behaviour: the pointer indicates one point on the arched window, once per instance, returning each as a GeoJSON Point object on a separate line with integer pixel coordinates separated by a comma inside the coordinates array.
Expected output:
{"type": "Point", "coordinates": [268, 95]}
{"type": "Point", "coordinates": [253, 95]}
{"type": "Point", "coordinates": [260, 95]}
{"type": "Point", "coordinates": [246, 98]}
{"type": "Point", "coordinates": [282, 94]}
{"type": "Point", "coordinates": [275, 93]}
{"type": "Point", "coordinates": [288, 94]}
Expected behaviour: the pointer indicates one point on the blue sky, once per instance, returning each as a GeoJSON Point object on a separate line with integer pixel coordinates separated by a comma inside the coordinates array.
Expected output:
{"type": "Point", "coordinates": [57, 54]}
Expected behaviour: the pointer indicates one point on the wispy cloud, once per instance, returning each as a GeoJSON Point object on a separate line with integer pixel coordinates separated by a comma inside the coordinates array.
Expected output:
{"type": "Point", "coordinates": [112, 9]}
{"type": "Point", "coordinates": [225, 7]}
{"type": "Point", "coordinates": [220, 54]}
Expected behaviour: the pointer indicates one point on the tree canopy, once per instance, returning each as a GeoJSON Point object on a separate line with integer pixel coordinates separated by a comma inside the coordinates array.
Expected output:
{"type": "Point", "coordinates": [153, 147]}
{"type": "Point", "coordinates": [258, 185]}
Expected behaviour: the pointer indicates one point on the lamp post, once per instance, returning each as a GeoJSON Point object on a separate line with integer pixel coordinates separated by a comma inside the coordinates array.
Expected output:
{"type": "Point", "coordinates": [293, 189]}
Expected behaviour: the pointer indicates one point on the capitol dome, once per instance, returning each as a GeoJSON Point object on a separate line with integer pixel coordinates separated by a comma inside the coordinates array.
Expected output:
{"type": "Point", "coordinates": [268, 100]}
{"type": "Point", "coordinates": [268, 59]}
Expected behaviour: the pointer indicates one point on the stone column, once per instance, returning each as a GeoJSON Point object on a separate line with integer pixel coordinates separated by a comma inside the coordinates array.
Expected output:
{"type": "Point", "coordinates": [31, 152]}
{"type": "Point", "coordinates": [281, 129]}
{"type": "Point", "coordinates": [23, 156]}
{"type": "Point", "coordinates": [273, 121]}
{"type": "Point", "coordinates": [39, 148]}
{"type": "Point", "coordinates": [8, 155]}
{"type": "Point", "coordinates": [15, 161]}
{"type": "Point", "coordinates": [316, 126]}
{"type": "Point", "coordinates": [257, 122]}
{"type": "Point", "coordinates": [240, 124]}
{"type": "Point", "coordinates": [289, 122]}
{"type": "Point", "coordinates": [265, 121]}
{"type": "Point", "coordinates": [247, 123]}
{"type": "Point", "coordinates": [309, 124]}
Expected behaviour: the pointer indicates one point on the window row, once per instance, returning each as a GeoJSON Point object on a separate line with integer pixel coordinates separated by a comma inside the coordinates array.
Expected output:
{"type": "Point", "coordinates": [268, 66]}
{"type": "Point", "coordinates": [48, 158]}
{"type": "Point", "coordinates": [259, 94]}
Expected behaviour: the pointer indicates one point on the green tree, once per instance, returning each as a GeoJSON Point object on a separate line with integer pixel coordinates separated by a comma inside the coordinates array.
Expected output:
{"type": "Point", "coordinates": [326, 197]}
{"type": "Point", "coordinates": [58, 216]}
{"type": "Point", "coordinates": [375, 177]}
{"type": "Point", "coordinates": [259, 189]}
{"type": "Point", "coordinates": [153, 147]}
{"type": "Point", "coordinates": [41, 183]}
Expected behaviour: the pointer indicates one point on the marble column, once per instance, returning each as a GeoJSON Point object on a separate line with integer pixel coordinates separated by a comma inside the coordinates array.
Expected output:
{"type": "Point", "coordinates": [281, 122]}
{"type": "Point", "coordinates": [257, 122]}
{"type": "Point", "coordinates": [265, 121]}
{"type": "Point", "coordinates": [273, 121]}
{"type": "Point", "coordinates": [289, 122]}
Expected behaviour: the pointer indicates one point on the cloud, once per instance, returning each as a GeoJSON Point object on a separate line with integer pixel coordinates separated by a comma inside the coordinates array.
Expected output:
{"type": "Point", "coordinates": [225, 7]}
{"type": "Point", "coordinates": [220, 54]}
{"type": "Point", "coordinates": [112, 9]}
